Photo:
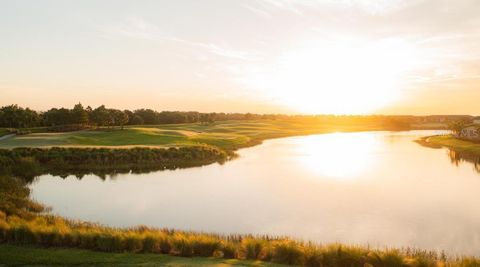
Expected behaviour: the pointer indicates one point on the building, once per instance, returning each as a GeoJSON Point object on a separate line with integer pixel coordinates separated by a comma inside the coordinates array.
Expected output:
{"type": "Point", "coordinates": [471, 131]}
{"type": "Point", "coordinates": [476, 120]}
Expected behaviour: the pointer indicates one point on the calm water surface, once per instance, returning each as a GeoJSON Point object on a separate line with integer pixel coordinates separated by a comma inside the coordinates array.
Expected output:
{"type": "Point", "coordinates": [377, 188]}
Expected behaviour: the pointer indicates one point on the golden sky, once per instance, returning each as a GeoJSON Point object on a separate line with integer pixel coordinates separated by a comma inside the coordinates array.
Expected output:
{"type": "Point", "coordinates": [262, 56]}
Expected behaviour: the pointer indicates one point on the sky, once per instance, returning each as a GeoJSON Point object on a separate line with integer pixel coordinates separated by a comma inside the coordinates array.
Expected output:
{"type": "Point", "coordinates": [263, 56]}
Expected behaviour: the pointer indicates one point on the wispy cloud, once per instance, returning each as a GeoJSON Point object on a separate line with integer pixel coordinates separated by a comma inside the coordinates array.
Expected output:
{"type": "Point", "coordinates": [258, 11]}
{"type": "Point", "coordinates": [139, 28]}
{"type": "Point", "coordinates": [134, 27]}
{"type": "Point", "coordinates": [375, 7]}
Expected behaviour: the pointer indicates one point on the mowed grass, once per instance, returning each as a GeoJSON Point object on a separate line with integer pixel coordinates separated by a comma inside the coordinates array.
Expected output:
{"type": "Point", "coordinates": [458, 145]}
{"type": "Point", "coordinates": [3, 132]}
{"type": "Point", "coordinates": [228, 135]}
{"type": "Point", "coordinates": [28, 255]}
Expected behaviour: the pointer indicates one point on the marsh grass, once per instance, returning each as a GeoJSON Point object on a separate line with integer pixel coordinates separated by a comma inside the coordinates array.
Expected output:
{"type": "Point", "coordinates": [53, 231]}
{"type": "Point", "coordinates": [31, 162]}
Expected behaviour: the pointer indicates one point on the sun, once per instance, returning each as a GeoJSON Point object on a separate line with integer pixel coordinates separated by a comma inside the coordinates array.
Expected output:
{"type": "Point", "coordinates": [337, 77]}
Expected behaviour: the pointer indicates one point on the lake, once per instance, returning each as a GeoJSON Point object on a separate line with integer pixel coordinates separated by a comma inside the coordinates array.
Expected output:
{"type": "Point", "coordinates": [375, 188]}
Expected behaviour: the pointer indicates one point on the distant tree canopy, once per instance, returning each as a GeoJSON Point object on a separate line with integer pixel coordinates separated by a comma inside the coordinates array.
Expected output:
{"type": "Point", "coordinates": [457, 125]}
{"type": "Point", "coordinates": [78, 117]}
{"type": "Point", "coordinates": [13, 116]}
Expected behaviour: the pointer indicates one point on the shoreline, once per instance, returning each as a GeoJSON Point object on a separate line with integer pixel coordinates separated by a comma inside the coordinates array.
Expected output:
{"type": "Point", "coordinates": [450, 142]}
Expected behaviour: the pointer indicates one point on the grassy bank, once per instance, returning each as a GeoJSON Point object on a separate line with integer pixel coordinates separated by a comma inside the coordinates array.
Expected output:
{"type": "Point", "coordinates": [451, 142]}
{"type": "Point", "coordinates": [29, 255]}
{"type": "Point", "coordinates": [227, 135]}
{"type": "Point", "coordinates": [30, 162]}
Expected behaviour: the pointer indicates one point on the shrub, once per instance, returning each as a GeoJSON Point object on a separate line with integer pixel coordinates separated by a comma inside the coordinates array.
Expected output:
{"type": "Point", "coordinates": [88, 240]}
{"type": "Point", "coordinates": [105, 242]}
{"type": "Point", "coordinates": [181, 245]}
{"type": "Point", "coordinates": [252, 248]}
{"type": "Point", "coordinates": [50, 238]}
{"type": "Point", "coordinates": [25, 235]}
{"type": "Point", "coordinates": [4, 228]}
{"type": "Point", "coordinates": [151, 244]}
{"type": "Point", "coordinates": [164, 243]}
{"type": "Point", "coordinates": [392, 258]}
{"type": "Point", "coordinates": [229, 250]}
{"type": "Point", "coordinates": [288, 252]}
{"type": "Point", "coordinates": [313, 257]}
{"type": "Point", "coordinates": [133, 242]}
{"type": "Point", "coordinates": [204, 245]}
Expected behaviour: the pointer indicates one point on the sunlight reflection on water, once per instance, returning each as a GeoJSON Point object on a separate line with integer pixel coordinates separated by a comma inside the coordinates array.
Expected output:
{"type": "Point", "coordinates": [338, 155]}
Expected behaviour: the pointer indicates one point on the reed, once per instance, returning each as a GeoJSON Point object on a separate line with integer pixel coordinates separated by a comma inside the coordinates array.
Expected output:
{"type": "Point", "coordinates": [54, 231]}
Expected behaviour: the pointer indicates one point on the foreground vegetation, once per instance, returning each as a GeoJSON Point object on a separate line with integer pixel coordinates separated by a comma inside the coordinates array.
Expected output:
{"type": "Point", "coordinates": [52, 231]}
{"type": "Point", "coordinates": [24, 222]}
{"type": "Point", "coordinates": [29, 255]}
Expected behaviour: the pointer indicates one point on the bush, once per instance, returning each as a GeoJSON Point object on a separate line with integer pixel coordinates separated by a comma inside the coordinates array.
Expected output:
{"type": "Point", "coordinates": [252, 248]}
{"type": "Point", "coordinates": [181, 245]}
{"type": "Point", "coordinates": [151, 244]}
{"type": "Point", "coordinates": [133, 243]}
{"type": "Point", "coordinates": [105, 242]}
{"type": "Point", "coordinates": [88, 240]}
{"type": "Point", "coordinates": [288, 252]}
{"type": "Point", "coordinates": [229, 250]}
{"type": "Point", "coordinates": [204, 246]}
{"type": "Point", "coordinates": [313, 257]}
{"type": "Point", "coordinates": [25, 235]}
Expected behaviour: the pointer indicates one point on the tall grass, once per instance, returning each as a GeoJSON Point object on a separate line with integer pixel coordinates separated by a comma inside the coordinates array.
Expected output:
{"type": "Point", "coordinates": [29, 162]}
{"type": "Point", "coordinates": [53, 231]}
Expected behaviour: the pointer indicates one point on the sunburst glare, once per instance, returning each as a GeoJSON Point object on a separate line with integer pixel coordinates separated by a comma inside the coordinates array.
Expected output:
{"type": "Point", "coordinates": [338, 77]}
{"type": "Point", "coordinates": [339, 155]}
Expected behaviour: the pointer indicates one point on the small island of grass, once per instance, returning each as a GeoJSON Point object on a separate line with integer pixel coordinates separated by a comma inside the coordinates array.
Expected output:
{"type": "Point", "coordinates": [451, 142]}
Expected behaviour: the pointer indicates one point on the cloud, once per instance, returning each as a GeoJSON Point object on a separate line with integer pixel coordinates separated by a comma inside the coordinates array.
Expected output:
{"type": "Point", "coordinates": [138, 28]}
{"type": "Point", "coordinates": [134, 27]}
{"type": "Point", "coordinates": [229, 52]}
{"type": "Point", "coordinates": [258, 11]}
{"type": "Point", "coordinates": [374, 7]}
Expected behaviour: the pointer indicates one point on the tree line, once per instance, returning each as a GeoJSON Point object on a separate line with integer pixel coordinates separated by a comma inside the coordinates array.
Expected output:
{"type": "Point", "coordinates": [14, 116]}
{"type": "Point", "coordinates": [63, 119]}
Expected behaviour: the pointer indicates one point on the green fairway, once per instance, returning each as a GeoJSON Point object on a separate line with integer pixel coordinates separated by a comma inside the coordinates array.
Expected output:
{"type": "Point", "coordinates": [19, 255]}
{"type": "Point", "coordinates": [228, 135]}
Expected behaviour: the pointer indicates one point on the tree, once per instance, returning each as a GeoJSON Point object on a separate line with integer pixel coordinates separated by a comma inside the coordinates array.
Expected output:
{"type": "Point", "coordinates": [457, 126]}
{"type": "Point", "coordinates": [56, 117]}
{"type": "Point", "coordinates": [207, 118]}
{"type": "Point", "coordinates": [100, 116]}
{"type": "Point", "coordinates": [148, 116]}
{"type": "Point", "coordinates": [11, 115]}
{"type": "Point", "coordinates": [79, 115]}
{"type": "Point", "coordinates": [120, 118]}
{"type": "Point", "coordinates": [136, 120]}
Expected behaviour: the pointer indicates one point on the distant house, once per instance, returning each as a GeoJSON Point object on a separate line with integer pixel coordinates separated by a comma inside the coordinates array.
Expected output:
{"type": "Point", "coordinates": [476, 120]}
{"type": "Point", "coordinates": [471, 131]}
